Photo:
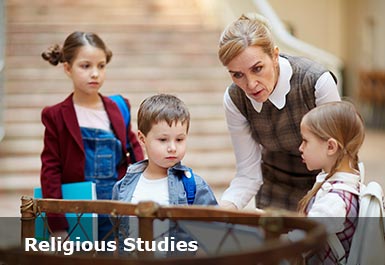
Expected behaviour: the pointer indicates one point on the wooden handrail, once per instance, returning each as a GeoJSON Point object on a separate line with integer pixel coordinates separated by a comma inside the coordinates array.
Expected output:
{"type": "Point", "coordinates": [272, 222]}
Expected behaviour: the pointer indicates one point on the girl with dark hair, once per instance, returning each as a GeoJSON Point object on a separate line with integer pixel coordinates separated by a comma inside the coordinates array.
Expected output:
{"type": "Point", "coordinates": [85, 135]}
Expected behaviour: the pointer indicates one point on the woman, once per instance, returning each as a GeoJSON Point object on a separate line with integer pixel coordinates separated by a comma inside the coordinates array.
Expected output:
{"type": "Point", "coordinates": [264, 106]}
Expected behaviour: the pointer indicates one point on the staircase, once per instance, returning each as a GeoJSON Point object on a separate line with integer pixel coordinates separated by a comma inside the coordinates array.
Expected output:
{"type": "Point", "coordinates": [165, 46]}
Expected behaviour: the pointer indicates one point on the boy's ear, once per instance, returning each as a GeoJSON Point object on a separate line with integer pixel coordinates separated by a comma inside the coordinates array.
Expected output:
{"type": "Point", "coordinates": [332, 146]}
{"type": "Point", "coordinates": [141, 137]}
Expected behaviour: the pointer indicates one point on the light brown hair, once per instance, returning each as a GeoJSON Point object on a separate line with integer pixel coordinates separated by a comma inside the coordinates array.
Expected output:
{"type": "Point", "coordinates": [340, 121]}
{"type": "Point", "coordinates": [162, 107]}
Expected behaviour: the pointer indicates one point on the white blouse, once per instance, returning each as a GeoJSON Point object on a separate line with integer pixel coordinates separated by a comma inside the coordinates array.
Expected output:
{"type": "Point", "coordinates": [248, 178]}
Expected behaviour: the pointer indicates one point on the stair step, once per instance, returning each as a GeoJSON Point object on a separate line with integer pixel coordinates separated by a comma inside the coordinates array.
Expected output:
{"type": "Point", "coordinates": [14, 181]}
{"type": "Point", "coordinates": [197, 161]}
{"type": "Point", "coordinates": [27, 130]}
{"type": "Point", "coordinates": [191, 98]}
{"type": "Point", "coordinates": [174, 35]}
{"type": "Point", "coordinates": [147, 12]}
{"type": "Point", "coordinates": [134, 86]}
{"type": "Point", "coordinates": [202, 127]}
{"type": "Point", "coordinates": [34, 146]}
{"type": "Point", "coordinates": [13, 177]}
{"type": "Point", "coordinates": [151, 73]}
{"type": "Point", "coordinates": [127, 58]}
{"type": "Point", "coordinates": [33, 130]}
{"type": "Point", "coordinates": [22, 115]}
{"type": "Point", "coordinates": [19, 181]}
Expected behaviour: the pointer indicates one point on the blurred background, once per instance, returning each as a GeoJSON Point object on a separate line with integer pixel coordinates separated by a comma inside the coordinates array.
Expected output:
{"type": "Point", "coordinates": [171, 46]}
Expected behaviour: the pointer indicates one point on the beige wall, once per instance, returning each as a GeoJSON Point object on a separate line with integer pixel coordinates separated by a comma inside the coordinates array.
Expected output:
{"type": "Point", "coordinates": [317, 22]}
{"type": "Point", "coordinates": [354, 30]}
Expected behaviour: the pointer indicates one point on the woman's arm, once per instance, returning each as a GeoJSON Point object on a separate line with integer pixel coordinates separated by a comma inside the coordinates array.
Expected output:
{"type": "Point", "coordinates": [248, 178]}
{"type": "Point", "coordinates": [326, 89]}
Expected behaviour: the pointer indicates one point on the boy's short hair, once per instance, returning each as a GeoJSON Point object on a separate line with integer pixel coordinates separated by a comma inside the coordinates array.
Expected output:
{"type": "Point", "coordinates": [162, 107]}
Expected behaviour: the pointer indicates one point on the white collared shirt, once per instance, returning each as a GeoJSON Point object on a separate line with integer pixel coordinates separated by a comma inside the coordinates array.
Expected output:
{"type": "Point", "coordinates": [248, 178]}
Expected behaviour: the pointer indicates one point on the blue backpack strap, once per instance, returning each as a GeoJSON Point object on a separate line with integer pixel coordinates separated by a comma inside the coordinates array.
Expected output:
{"type": "Point", "coordinates": [122, 105]}
{"type": "Point", "coordinates": [119, 100]}
{"type": "Point", "coordinates": [189, 184]}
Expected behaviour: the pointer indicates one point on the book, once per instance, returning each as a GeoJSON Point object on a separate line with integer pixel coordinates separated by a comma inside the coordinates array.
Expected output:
{"type": "Point", "coordinates": [84, 229]}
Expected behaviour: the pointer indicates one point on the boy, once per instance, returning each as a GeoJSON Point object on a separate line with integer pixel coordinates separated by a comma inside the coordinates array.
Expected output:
{"type": "Point", "coordinates": [163, 124]}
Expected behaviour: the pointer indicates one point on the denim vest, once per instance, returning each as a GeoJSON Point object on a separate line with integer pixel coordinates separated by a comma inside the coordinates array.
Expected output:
{"type": "Point", "coordinates": [103, 153]}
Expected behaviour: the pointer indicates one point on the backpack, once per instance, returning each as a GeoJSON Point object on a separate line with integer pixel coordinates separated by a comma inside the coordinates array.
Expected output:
{"type": "Point", "coordinates": [187, 178]}
{"type": "Point", "coordinates": [124, 110]}
{"type": "Point", "coordinates": [368, 244]}
{"type": "Point", "coordinates": [189, 185]}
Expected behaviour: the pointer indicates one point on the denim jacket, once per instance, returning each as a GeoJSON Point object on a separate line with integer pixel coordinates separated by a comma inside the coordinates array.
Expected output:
{"type": "Point", "coordinates": [124, 189]}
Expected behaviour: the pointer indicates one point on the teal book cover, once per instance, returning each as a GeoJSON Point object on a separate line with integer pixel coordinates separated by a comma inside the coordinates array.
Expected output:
{"type": "Point", "coordinates": [83, 227]}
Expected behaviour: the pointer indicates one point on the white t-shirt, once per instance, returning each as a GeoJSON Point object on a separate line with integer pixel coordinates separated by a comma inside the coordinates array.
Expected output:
{"type": "Point", "coordinates": [155, 190]}
{"type": "Point", "coordinates": [151, 189]}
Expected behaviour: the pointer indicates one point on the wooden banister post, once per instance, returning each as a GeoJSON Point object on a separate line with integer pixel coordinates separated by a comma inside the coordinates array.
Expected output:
{"type": "Point", "coordinates": [146, 212]}
{"type": "Point", "coordinates": [28, 216]}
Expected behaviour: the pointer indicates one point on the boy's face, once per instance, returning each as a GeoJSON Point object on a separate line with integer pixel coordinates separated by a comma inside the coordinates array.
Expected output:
{"type": "Point", "coordinates": [165, 146]}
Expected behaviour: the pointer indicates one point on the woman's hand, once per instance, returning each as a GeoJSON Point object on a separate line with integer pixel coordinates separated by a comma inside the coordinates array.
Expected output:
{"type": "Point", "coordinates": [228, 205]}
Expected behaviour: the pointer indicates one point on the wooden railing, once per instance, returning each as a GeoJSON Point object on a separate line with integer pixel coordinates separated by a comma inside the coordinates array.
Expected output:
{"type": "Point", "coordinates": [273, 224]}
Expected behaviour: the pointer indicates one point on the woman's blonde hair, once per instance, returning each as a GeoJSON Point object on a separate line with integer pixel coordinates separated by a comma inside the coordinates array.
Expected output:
{"type": "Point", "coordinates": [248, 30]}
{"type": "Point", "coordinates": [341, 122]}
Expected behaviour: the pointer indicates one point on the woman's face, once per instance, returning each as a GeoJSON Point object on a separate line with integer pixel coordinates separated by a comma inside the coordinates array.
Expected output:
{"type": "Point", "coordinates": [255, 72]}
